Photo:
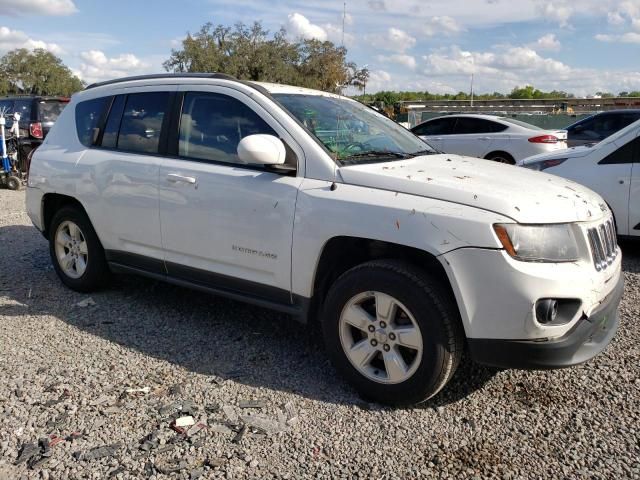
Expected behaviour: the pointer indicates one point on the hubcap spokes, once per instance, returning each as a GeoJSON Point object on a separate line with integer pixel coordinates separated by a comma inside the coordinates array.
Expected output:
{"type": "Point", "coordinates": [380, 337]}
{"type": "Point", "coordinates": [71, 249]}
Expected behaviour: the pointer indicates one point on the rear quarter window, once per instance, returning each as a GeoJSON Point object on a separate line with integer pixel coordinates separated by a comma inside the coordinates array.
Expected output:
{"type": "Point", "coordinates": [88, 115]}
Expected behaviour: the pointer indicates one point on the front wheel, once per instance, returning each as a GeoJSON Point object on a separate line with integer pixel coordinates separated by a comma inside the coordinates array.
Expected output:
{"type": "Point", "coordinates": [392, 331]}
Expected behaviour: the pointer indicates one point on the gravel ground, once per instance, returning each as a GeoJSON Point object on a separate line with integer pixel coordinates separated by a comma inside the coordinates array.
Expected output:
{"type": "Point", "coordinates": [66, 363]}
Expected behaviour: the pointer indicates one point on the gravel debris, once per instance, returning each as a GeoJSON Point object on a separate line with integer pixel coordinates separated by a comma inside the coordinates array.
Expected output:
{"type": "Point", "coordinates": [269, 404]}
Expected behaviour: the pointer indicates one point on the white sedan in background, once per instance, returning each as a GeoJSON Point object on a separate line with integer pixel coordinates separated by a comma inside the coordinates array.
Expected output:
{"type": "Point", "coordinates": [502, 139]}
{"type": "Point", "coordinates": [610, 168]}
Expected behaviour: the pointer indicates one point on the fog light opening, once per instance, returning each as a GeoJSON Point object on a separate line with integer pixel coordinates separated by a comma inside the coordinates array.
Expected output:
{"type": "Point", "coordinates": [547, 310]}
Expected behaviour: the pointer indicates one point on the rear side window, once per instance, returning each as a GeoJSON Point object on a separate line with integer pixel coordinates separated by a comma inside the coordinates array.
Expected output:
{"type": "Point", "coordinates": [88, 116]}
{"type": "Point", "coordinates": [142, 122]}
{"type": "Point", "coordinates": [23, 107]}
{"type": "Point", "coordinates": [439, 126]}
{"type": "Point", "coordinates": [212, 125]}
{"type": "Point", "coordinates": [468, 125]}
{"type": "Point", "coordinates": [50, 110]}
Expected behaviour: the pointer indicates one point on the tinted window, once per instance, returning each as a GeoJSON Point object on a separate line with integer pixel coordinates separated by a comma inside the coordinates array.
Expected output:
{"type": "Point", "coordinates": [468, 125]}
{"type": "Point", "coordinates": [110, 135]}
{"type": "Point", "coordinates": [142, 122]}
{"type": "Point", "coordinates": [6, 106]}
{"type": "Point", "coordinates": [628, 153]}
{"type": "Point", "coordinates": [212, 125]}
{"type": "Point", "coordinates": [23, 107]}
{"type": "Point", "coordinates": [439, 126]}
{"type": "Point", "coordinates": [87, 117]}
{"type": "Point", "coordinates": [50, 110]}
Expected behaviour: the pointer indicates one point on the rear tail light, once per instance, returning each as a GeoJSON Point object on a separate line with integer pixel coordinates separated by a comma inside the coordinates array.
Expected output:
{"type": "Point", "coordinates": [35, 129]}
{"type": "Point", "coordinates": [544, 139]}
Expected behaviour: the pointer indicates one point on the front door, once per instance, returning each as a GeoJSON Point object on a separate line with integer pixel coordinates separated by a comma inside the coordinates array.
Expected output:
{"type": "Point", "coordinates": [226, 225]}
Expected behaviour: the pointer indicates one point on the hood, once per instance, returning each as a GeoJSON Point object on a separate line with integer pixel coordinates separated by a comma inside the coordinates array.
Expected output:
{"type": "Point", "coordinates": [573, 152]}
{"type": "Point", "coordinates": [524, 195]}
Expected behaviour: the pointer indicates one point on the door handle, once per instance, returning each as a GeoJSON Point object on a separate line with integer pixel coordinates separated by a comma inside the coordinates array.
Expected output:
{"type": "Point", "coordinates": [485, 138]}
{"type": "Point", "coordinates": [436, 138]}
{"type": "Point", "coordinates": [175, 178]}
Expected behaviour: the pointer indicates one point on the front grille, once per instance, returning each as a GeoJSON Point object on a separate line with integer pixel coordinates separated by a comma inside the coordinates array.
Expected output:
{"type": "Point", "coordinates": [604, 247]}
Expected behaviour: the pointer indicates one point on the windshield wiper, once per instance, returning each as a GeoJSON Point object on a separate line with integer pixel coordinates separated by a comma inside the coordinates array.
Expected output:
{"type": "Point", "coordinates": [376, 154]}
{"type": "Point", "coordinates": [424, 152]}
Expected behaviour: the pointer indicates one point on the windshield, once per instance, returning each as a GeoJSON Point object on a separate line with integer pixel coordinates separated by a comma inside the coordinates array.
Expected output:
{"type": "Point", "coordinates": [352, 132]}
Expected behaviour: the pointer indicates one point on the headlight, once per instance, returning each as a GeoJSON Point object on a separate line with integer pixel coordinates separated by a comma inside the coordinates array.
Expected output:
{"type": "Point", "coordinates": [544, 164]}
{"type": "Point", "coordinates": [539, 243]}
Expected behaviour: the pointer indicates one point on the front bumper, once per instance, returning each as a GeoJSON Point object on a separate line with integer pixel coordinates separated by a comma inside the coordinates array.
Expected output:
{"type": "Point", "coordinates": [588, 337]}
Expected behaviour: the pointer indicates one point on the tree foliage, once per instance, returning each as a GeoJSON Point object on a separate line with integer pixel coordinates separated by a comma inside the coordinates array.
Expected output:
{"type": "Point", "coordinates": [527, 92]}
{"type": "Point", "coordinates": [252, 53]}
{"type": "Point", "coordinates": [37, 72]}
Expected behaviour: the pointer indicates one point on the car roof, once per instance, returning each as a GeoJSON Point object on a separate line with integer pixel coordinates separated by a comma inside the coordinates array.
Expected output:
{"type": "Point", "coordinates": [621, 111]}
{"type": "Point", "coordinates": [34, 97]}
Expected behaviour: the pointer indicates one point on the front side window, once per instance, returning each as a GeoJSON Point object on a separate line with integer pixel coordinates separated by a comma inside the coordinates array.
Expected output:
{"type": "Point", "coordinates": [350, 131]}
{"type": "Point", "coordinates": [88, 114]}
{"type": "Point", "coordinates": [142, 122]}
{"type": "Point", "coordinates": [212, 125]}
{"type": "Point", "coordinates": [628, 153]}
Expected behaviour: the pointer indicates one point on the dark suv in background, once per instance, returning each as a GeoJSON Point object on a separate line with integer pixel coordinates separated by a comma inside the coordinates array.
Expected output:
{"type": "Point", "coordinates": [597, 127]}
{"type": "Point", "coordinates": [37, 116]}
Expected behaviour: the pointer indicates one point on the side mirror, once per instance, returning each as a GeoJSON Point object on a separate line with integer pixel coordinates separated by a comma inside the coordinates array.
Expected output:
{"type": "Point", "coordinates": [262, 150]}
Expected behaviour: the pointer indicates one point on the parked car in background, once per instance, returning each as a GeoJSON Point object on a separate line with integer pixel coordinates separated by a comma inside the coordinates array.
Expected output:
{"type": "Point", "coordinates": [37, 116]}
{"type": "Point", "coordinates": [315, 205]}
{"type": "Point", "coordinates": [597, 127]}
{"type": "Point", "coordinates": [502, 139]}
{"type": "Point", "coordinates": [610, 168]}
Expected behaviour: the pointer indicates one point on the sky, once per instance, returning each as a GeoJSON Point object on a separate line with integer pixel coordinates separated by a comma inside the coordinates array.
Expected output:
{"type": "Point", "coordinates": [579, 46]}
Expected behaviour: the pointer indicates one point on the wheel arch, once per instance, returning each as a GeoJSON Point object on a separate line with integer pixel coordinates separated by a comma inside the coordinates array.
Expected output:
{"type": "Point", "coordinates": [493, 153]}
{"type": "Point", "coordinates": [51, 203]}
{"type": "Point", "coordinates": [341, 253]}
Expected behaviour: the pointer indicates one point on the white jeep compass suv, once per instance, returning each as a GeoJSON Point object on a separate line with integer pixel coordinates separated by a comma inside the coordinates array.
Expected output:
{"type": "Point", "coordinates": [315, 205]}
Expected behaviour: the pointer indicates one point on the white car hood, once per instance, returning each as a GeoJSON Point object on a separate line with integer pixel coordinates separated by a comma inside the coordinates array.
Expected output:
{"type": "Point", "coordinates": [525, 196]}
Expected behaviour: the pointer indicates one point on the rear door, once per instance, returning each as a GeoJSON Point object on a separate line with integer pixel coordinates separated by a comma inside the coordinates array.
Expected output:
{"type": "Point", "coordinates": [474, 137]}
{"type": "Point", "coordinates": [434, 131]}
{"type": "Point", "coordinates": [126, 162]}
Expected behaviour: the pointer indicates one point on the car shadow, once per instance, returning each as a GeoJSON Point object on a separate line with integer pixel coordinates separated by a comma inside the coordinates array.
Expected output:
{"type": "Point", "coordinates": [202, 333]}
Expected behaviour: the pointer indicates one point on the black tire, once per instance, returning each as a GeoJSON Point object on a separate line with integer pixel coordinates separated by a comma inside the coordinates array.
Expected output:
{"type": "Point", "coordinates": [501, 157]}
{"type": "Point", "coordinates": [433, 309]}
{"type": "Point", "coordinates": [14, 183]}
{"type": "Point", "coordinates": [97, 272]}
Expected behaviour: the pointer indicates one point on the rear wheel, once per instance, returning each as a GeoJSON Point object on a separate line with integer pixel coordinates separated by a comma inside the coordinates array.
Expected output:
{"type": "Point", "coordinates": [501, 157]}
{"type": "Point", "coordinates": [76, 252]}
{"type": "Point", "coordinates": [14, 183]}
{"type": "Point", "coordinates": [392, 331]}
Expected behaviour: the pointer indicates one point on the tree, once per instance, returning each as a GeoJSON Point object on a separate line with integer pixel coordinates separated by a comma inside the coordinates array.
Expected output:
{"type": "Point", "coordinates": [251, 53]}
{"type": "Point", "coordinates": [36, 72]}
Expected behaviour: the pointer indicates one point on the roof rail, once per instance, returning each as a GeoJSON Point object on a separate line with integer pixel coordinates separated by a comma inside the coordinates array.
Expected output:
{"type": "Point", "coordinates": [154, 76]}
